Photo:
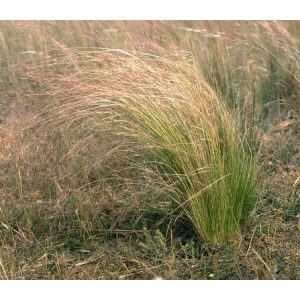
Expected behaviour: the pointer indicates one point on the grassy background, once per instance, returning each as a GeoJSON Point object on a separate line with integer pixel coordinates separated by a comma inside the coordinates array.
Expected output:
{"type": "Point", "coordinates": [73, 207]}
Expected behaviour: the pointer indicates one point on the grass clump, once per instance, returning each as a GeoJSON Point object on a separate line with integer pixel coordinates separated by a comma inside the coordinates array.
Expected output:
{"type": "Point", "coordinates": [195, 149]}
{"type": "Point", "coordinates": [177, 130]}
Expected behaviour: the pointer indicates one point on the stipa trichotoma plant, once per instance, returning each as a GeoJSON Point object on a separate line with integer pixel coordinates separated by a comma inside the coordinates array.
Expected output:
{"type": "Point", "coordinates": [171, 117]}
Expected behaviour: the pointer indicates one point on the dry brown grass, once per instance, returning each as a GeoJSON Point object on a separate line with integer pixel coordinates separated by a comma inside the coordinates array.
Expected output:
{"type": "Point", "coordinates": [72, 207]}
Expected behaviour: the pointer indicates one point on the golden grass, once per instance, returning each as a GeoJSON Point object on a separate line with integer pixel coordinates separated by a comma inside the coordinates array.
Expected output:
{"type": "Point", "coordinates": [137, 116]}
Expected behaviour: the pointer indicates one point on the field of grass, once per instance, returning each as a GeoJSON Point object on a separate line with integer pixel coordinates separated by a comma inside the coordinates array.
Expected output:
{"type": "Point", "coordinates": [149, 149]}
